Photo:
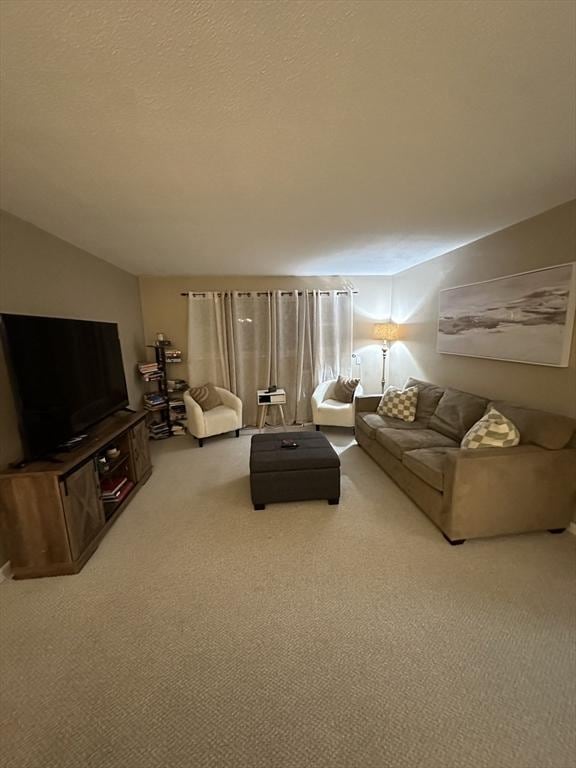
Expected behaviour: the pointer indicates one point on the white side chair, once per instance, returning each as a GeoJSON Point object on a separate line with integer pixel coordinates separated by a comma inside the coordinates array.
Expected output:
{"type": "Point", "coordinates": [224, 418]}
{"type": "Point", "coordinates": [327, 412]}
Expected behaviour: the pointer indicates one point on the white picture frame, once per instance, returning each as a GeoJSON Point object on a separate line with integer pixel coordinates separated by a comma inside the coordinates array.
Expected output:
{"type": "Point", "coordinates": [527, 317]}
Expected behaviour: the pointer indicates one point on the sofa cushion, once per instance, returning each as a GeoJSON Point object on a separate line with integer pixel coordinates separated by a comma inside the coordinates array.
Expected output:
{"type": "Point", "coordinates": [220, 419]}
{"type": "Point", "coordinates": [334, 405]}
{"type": "Point", "coordinates": [456, 412]}
{"type": "Point", "coordinates": [333, 413]}
{"type": "Point", "coordinates": [548, 430]}
{"type": "Point", "coordinates": [428, 398]}
{"type": "Point", "coordinates": [398, 441]}
{"type": "Point", "coordinates": [370, 422]}
{"type": "Point", "coordinates": [428, 464]}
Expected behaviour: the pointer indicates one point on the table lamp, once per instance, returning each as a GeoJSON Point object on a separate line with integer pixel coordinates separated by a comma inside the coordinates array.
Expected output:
{"type": "Point", "coordinates": [385, 332]}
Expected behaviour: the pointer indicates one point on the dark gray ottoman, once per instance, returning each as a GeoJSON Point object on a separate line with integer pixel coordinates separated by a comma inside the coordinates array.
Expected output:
{"type": "Point", "coordinates": [311, 471]}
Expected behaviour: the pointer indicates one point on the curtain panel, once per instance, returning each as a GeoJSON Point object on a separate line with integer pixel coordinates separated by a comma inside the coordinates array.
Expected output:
{"type": "Point", "coordinates": [246, 341]}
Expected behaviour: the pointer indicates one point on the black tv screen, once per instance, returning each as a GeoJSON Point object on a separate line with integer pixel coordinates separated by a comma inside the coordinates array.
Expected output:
{"type": "Point", "coordinates": [67, 375]}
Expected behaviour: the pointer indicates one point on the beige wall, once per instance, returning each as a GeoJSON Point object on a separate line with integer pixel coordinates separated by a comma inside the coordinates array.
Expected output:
{"type": "Point", "coordinates": [544, 240]}
{"type": "Point", "coordinates": [43, 275]}
{"type": "Point", "coordinates": [164, 309]}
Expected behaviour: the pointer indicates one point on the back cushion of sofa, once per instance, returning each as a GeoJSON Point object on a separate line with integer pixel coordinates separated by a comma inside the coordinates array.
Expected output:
{"type": "Point", "coordinates": [457, 412]}
{"type": "Point", "coordinates": [548, 430]}
{"type": "Point", "coordinates": [428, 398]}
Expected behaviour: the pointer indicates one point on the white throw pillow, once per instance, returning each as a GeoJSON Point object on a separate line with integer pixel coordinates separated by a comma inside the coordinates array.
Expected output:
{"type": "Point", "coordinates": [493, 430]}
{"type": "Point", "coordinates": [399, 403]}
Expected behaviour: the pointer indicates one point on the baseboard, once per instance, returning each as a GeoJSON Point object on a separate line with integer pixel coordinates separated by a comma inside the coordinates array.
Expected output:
{"type": "Point", "coordinates": [572, 528]}
{"type": "Point", "coordinates": [5, 572]}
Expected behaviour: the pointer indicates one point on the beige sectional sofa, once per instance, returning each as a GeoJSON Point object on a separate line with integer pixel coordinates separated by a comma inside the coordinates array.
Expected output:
{"type": "Point", "coordinates": [475, 492]}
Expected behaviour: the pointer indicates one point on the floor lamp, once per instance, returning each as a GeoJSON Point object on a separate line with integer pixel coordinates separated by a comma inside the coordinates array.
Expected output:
{"type": "Point", "coordinates": [385, 332]}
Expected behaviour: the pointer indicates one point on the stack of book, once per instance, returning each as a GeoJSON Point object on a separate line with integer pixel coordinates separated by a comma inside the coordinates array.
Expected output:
{"type": "Point", "coordinates": [178, 415]}
{"type": "Point", "coordinates": [149, 371]}
{"type": "Point", "coordinates": [176, 385]}
{"type": "Point", "coordinates": [160, 430]}
{"type": "Point", "coordinates": [173, 356]}
{"type": "Point", "coordinates": [177, 408]}
{"type": "Point", "coordinates": [112, 488]}
{"type": "Point", "coordinates": [154, 401]}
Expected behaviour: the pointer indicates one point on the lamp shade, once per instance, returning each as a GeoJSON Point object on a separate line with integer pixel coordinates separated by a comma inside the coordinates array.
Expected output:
{"type": "Point", "coordinates": [386, 331]}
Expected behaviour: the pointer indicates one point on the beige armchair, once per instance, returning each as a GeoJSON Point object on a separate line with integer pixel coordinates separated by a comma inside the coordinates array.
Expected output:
{"type": "Point", "coordinates": [329, 412]}
{"type": "Point", "coordinates": [226, 417]}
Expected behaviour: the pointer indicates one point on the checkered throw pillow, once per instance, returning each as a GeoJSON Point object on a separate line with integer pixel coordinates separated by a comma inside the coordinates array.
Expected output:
{"type": "Point", "coordinates": [492, 431]}
{"type": "Point", "coordinates": [399, 403]}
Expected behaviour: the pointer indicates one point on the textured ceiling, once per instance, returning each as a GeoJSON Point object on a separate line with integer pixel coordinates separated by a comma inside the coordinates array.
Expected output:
{"type": "Point", "coordinates": [181, 137]}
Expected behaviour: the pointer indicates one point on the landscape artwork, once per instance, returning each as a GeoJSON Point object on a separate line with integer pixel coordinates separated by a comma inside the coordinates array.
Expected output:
{"type": "Point", "coordinates": [524, 318]}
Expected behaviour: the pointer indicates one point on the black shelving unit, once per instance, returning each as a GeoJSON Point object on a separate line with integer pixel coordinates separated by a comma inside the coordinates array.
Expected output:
{"type": "Point", "coordinates": [160, 351]}
{"type": "Point", "coordinates": [159, 421]}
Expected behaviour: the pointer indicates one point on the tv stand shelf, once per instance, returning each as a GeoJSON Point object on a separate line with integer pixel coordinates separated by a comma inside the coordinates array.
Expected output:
{"type": "Point", "coordinates": [52, 511]}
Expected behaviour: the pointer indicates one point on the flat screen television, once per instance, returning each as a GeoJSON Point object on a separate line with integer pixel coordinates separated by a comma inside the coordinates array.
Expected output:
{"type": "Point", "coordinates": [66, 374]}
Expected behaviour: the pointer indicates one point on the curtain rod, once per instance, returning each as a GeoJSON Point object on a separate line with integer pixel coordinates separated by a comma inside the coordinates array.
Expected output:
{"type": "Point", "coordinates": [259, 293]}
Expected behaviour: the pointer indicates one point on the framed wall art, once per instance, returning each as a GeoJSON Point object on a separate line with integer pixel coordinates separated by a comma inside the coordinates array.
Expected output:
{"type": "Point", "coordinates": [523, 318]}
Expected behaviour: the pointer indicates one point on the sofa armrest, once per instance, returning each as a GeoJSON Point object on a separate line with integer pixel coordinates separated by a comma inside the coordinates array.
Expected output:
{"type": "Point", "coordinates": [493, 491]}
{"type": "Point", "coordinates": [367, 403]}
{"type": "Point", "coordinates": [230, 400]}
{"type": "Point", "coordinates": [321, 392]}
{"type": "Point", "coordinates": [194, 417]}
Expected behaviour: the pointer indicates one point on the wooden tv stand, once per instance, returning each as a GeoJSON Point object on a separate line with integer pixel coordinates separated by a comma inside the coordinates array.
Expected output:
{"type": "Point", "coordinates": [52, 512]}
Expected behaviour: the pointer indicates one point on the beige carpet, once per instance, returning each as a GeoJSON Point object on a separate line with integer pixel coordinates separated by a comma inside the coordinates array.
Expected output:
{"type": "Point", "coordinates": [203, 634]}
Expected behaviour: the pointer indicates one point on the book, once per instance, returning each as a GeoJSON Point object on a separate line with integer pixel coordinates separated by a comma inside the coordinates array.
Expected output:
{"type": "Point", "coordinates": [176, 385]}
{"type": "Point", "coordinates": [112, 485]}
{"type": "Point", "coordinates": [159, 426]}
{"type": "Point", "coordinates": [157, 432]}
{"type": "Point", "coordinates": [152, 398]}
{"type": "Point", "coordinates": [119, 495]}
{"type": "Point", "coordinates": [160, 436]}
